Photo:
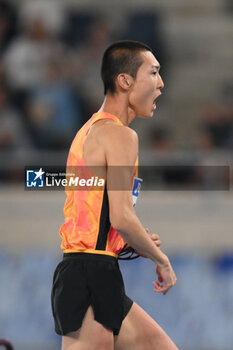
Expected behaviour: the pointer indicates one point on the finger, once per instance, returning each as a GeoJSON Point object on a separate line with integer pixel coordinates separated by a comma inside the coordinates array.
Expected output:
{"type": "Point", "coordinates": [164, 290]}
{"type": "Point", "coordinates": [156, 284]}
{"type": "Point", "coordinates": [158, 287]}
{"type": "Point", "coordinates": [147, 230]}
{"type": "Point", "coordinates": [161, 288]}
{"type": "Point", "coordinates": [158, 243]}
{"type": "Point", "coordinates": [154, 236]}
{"type": "Point", "coordinates": [157, 290]}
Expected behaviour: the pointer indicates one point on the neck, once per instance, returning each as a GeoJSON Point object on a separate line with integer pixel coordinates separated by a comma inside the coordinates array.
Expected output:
{"type": "Point", "coordinates": [118, 105]}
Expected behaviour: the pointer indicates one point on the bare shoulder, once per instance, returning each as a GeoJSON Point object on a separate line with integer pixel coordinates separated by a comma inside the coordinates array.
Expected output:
{"type": "Point", "coordinates": [107, 143]}
{"type": "Point", "coordinates": [120, 143]}
{"type": "Point", "coordinates": [115, 133]}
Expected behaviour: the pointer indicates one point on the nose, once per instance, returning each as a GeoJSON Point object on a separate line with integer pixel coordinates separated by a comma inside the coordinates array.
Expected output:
{"type": "Point", "coordinates": [160, 83]}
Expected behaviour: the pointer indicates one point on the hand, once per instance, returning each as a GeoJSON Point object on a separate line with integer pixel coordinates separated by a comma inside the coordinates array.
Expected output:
{"type": "Point", "coordinates": [166, 278]}
{"type": "Point", "coordinates": [155, 238]}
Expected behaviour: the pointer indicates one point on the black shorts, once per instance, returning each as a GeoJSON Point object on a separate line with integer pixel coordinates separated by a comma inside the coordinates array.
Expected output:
{"type": "Point", "coordinates": [83, 279]}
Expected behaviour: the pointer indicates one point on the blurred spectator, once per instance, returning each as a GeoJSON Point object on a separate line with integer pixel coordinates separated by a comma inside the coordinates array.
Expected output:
{"type": "Point", "coordinates": [51, 12]}
{"type": "Point", "coordinates": [7, 25]}
{"type": "Point", "coordinates": [12, 131]}
{"type": "Point", "coordinates": [86, 64]}
{"type": "Point", "coordinates": [54, 112]}
{"type": "Point", "coordinates": [27, 56]}
{"type": "Point", "coordinates": [146, 27]}
{"type": "Point", "coordinates": [216, 130]}
{"type": "Point", "coordinates": [2, 74]}
{"type": "Point", "coordinates": [76, 27]}
{"type": "Point", "coordinates": [161, 139]}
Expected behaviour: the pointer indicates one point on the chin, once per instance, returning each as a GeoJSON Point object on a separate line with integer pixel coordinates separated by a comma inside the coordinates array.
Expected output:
{"type": "Point", "coordinates": [147, 115]}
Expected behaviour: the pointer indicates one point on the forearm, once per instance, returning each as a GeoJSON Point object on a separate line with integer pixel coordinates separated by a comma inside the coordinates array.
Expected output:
{"type": "Point", "coordinates": [136, 236]}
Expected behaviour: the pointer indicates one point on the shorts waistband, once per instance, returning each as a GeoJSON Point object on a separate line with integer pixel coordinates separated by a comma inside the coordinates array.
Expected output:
{"type": "Point", "coordinates": [92, 251]}
{"type": "Point", "coordinates": [89, 256]}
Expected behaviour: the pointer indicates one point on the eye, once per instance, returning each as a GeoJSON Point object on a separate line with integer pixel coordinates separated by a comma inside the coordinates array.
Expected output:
{"type": "Point", "coordinates": [154, 73]}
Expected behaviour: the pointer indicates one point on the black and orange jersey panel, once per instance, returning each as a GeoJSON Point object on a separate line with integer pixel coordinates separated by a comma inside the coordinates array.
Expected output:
{"type": "Point", "coordinates": [87, 227]}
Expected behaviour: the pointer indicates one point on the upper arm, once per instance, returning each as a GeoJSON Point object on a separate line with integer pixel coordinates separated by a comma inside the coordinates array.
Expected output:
{"type": "Point", "coordinates": [121, 151]}
{"type": "Point", "coordinates": [122, 147]}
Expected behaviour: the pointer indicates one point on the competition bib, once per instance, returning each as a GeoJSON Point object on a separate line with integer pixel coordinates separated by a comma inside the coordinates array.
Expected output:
{"type": "Point", "coordinates": [137, 183]}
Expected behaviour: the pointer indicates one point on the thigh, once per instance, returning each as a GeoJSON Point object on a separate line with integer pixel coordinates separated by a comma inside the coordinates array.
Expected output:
{"type": "Point", "coordinates": [140, 331]}
{"type": "Point", "coordinates": [91, 336]}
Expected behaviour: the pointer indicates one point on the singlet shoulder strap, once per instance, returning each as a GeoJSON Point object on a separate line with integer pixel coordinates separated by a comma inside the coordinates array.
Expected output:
{"type": "Point", "coordinates": [85, 129]}
{"type": "Point", "coordinates": [103, 115]}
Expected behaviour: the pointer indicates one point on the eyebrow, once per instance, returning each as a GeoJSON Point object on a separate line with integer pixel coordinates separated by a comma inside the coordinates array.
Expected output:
{"type": "Point", "coordinates": [156, 67]}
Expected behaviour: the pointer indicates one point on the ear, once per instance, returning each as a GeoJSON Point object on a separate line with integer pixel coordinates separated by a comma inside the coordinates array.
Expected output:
{"type": "Point", "coordinates": [124, 81]}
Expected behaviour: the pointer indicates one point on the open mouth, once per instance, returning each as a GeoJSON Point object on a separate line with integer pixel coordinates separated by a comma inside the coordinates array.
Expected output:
{"type": "Point", "coordinates": [154, 102]}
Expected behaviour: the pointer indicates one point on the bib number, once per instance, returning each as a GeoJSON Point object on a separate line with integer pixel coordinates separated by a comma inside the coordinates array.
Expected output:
{"type": "Point", "coordinates": [137, 183]}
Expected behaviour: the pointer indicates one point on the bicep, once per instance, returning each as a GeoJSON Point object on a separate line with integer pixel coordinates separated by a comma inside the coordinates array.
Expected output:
{"type": "Point", "coordinates": [119, 192]}
{"type": "Point", "coordinates": [121, 158]}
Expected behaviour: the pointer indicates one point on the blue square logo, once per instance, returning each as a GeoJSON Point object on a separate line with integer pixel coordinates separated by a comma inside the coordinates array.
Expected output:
{"type": "Point", "coordinates": [35, 178]}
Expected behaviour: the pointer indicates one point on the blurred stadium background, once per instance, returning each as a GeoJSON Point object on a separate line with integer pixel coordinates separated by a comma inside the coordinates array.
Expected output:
{"type": "Point", "coordinates": [50, 53]}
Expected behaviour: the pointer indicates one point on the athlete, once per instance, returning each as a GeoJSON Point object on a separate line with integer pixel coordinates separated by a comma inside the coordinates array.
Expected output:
{"type": "Point", "coordinates": [90, 307]}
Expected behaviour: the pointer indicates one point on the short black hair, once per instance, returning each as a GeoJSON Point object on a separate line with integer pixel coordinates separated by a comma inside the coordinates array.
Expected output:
{"type": "Point", "coordinates": [121, 57]}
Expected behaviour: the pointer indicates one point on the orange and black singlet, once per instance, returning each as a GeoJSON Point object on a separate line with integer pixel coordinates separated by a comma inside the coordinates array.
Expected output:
{"type": "Point", "coordinates": [87, 227]}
